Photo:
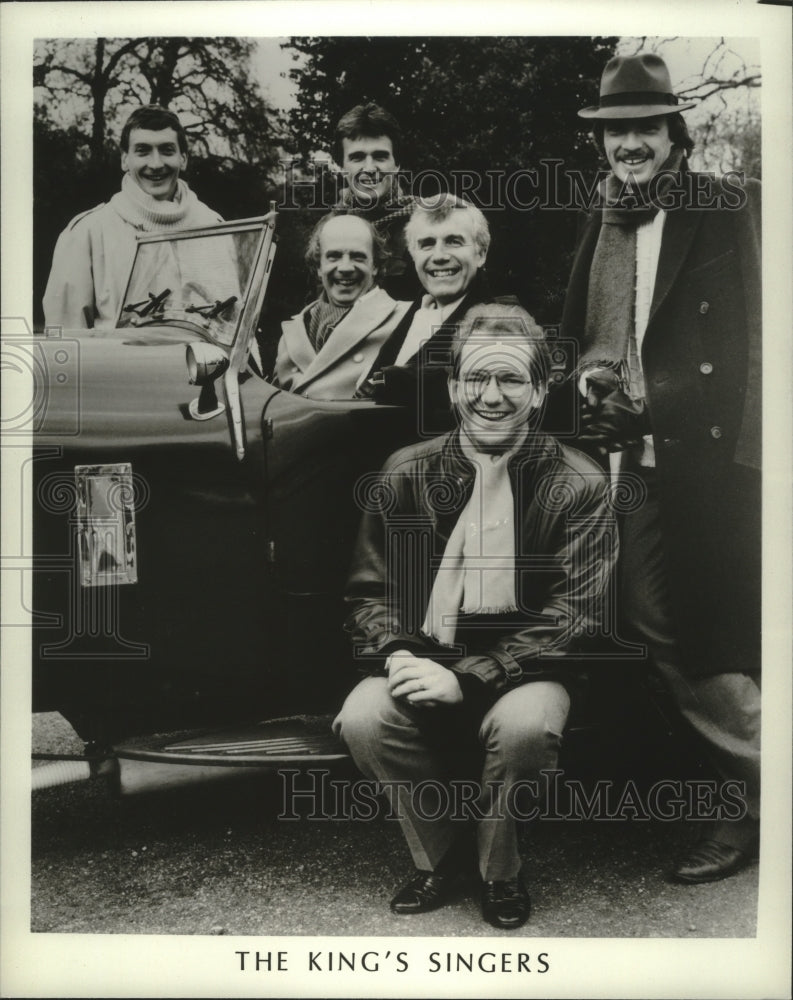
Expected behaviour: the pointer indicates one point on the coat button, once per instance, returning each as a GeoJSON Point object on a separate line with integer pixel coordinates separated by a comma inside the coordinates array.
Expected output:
{"type": "Point", "coordinates": [715, 432]}
{"type": "Point", "coordinates": [703, 307]}
{"type": "Point", "coordinates": [295, 368]}
{"type": "Point", "coordinates": [357, 357]}
{"type": "Point", "coordinates": [706, 367]}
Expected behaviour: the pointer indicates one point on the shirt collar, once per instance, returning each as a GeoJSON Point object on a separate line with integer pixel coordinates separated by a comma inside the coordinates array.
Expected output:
{"type": "Point", "coordinates": [428, 302]}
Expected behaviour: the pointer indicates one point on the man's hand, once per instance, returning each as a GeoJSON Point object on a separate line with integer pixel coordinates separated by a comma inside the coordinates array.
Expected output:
{"type": "Point", "coordinates": [421, 681]}
{"type": "Point", "coordinates": [610, 420]}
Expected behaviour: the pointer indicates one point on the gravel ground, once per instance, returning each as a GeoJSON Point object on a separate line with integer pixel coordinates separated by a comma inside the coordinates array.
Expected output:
{"type": "Point", "coordinates": [218, 860]}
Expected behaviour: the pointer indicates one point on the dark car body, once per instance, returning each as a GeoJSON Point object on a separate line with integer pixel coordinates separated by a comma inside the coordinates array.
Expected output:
{"type": "Point", "coordinates": [237, 528]}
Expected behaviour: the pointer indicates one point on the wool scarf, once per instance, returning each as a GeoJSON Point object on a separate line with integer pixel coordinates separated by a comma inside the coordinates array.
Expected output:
{"type": "Point", "coordinates": [612, 277]}
{"type": "Point", "coordinates": [396, 205]}
{"type": "Point", "coordinates": [477, 571]}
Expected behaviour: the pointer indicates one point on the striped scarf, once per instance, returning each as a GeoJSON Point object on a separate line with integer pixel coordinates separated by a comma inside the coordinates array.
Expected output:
{"type": "Point", "coordinates": [322, 319]}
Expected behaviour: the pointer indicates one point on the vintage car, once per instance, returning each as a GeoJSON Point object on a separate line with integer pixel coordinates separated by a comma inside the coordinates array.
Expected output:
{"type": "Point", "coordinates": [191, 544]}
{"type": "Point", "coordinates": [193, 526]}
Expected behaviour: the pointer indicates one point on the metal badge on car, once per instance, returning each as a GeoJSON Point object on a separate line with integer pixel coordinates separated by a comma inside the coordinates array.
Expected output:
{"type": "Point", "coordinates": [106, 524]}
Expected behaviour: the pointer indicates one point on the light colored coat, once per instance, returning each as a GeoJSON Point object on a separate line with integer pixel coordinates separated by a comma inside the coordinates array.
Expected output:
{"type": "Point", "coordinates": [347, 355]}
{"type": "Point", "coordinates": [94, 254]}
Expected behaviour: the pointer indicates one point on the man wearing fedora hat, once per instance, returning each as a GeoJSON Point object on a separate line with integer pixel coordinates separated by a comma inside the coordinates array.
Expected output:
{"type": "Point", "coordinates": [664, 301]}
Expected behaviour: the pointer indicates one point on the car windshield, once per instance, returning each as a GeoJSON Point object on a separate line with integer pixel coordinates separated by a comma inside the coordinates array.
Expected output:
{"type": "Point", "coordinates": [197, 280]}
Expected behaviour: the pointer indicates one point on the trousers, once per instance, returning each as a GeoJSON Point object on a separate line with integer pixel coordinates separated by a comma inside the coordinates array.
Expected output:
{"type": "Point", "coordinates": [398, 745]}
{"type": "Point", "coordinates": [724, 709]}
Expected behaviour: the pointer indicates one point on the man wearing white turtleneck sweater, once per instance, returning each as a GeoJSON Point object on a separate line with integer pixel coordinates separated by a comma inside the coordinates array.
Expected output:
{"type": "Point", "coordinates": [94, 254]}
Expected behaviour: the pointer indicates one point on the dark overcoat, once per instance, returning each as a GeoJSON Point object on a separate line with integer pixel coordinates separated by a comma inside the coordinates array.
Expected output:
{"type": "Point", "coordinates": [701, 357]}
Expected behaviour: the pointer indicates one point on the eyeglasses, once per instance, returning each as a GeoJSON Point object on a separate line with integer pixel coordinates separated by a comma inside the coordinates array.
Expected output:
{"type": "Point", "coordinates": [509, 383]}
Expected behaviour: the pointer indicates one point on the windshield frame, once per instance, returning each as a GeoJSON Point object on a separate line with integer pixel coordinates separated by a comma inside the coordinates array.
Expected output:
{"type": "Point", "coordinates": [252, 293]}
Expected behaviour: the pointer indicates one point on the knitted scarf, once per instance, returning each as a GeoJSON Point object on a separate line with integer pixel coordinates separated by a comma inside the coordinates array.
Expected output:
{"type": "Point", "coordinates": [143, 212]}
{"type": "Point", "coordinates": [612, 293]}
{"type": "Point", "coordinates": [397, 205]}
{"type": "Point", "coordinates": [477, 571]}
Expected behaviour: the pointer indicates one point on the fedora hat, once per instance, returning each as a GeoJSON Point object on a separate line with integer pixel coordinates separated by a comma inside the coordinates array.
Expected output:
{"type": "Point", "coordinates": [636, 87]}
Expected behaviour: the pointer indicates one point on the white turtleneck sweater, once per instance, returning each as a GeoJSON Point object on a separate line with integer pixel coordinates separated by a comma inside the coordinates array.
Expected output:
{"type": "Point", "coordinates": [93, 255]}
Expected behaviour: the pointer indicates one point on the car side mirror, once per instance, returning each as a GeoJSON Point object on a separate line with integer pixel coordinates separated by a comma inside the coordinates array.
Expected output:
{"type": "Point", "coordinates": [205, 364]}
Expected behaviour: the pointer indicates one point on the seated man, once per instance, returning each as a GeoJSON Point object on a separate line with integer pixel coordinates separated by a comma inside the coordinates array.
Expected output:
{"type": "Point", "coordinates": [93, 255]}
{"type": "Point", "coordinates": [327, 349]}
{"type": "Point", "coordinates": [448, 240]}
{"type": "Point", "coordinates": [500, 541]}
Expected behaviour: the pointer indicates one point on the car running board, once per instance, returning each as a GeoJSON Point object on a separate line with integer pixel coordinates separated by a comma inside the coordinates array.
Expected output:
{"type": "Point", "coordinates": [172, 759]}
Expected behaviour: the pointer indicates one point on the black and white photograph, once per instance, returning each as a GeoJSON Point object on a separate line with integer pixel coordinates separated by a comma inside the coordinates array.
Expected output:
{"type": "Point", "coordinates": [396, 499]}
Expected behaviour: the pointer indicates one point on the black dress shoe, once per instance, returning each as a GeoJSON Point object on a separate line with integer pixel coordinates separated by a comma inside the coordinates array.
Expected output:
{"type": "Point", "coordinates": [709, 861]}
{"type": "Point", "coordinates": [426, 891]}
{"type": "Point", "coordinates": [506, 904]}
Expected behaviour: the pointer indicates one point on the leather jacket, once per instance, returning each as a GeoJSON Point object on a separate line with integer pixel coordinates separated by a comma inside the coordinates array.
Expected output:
{"type": "Point", "coordinates": [565, 549]}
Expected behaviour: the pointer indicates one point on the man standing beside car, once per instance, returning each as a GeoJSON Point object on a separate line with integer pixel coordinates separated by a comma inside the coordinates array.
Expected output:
{"type": "Point", "coordinates": [481, 560]}
{"type": "Point", "coordinates": [94, 254]}
{"type": "Point", "coordinates": [664, 301]}
{"type": "Point", "coordinates": [326, 350]}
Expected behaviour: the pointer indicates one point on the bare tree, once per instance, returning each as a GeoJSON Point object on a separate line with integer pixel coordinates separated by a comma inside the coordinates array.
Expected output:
{"type": "Point", "coordinates": [724, 70]}
{"type": "Point", "coordinates": [78, 76]}
{"type": "Point", "coordinates": [83, 84]}
{"type": "Point", "coordinates": [726, 123]}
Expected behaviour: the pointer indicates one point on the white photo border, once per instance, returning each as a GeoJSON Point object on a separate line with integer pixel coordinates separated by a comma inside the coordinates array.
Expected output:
{"type": "Point", "coordinates": [143, 965]}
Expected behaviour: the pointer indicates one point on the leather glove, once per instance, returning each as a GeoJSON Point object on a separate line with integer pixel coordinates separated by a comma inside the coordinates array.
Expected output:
{"type": "Point", "coordinates": [400, 386]}
{"type": "Point", "coordinates": [407, 386]}
{"type": "Point", "coordinates": [391, 384]}
{"type": "Point", "coordinates": [610, 419]}
{"type": "Point", "coordinates": [599, 383]}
